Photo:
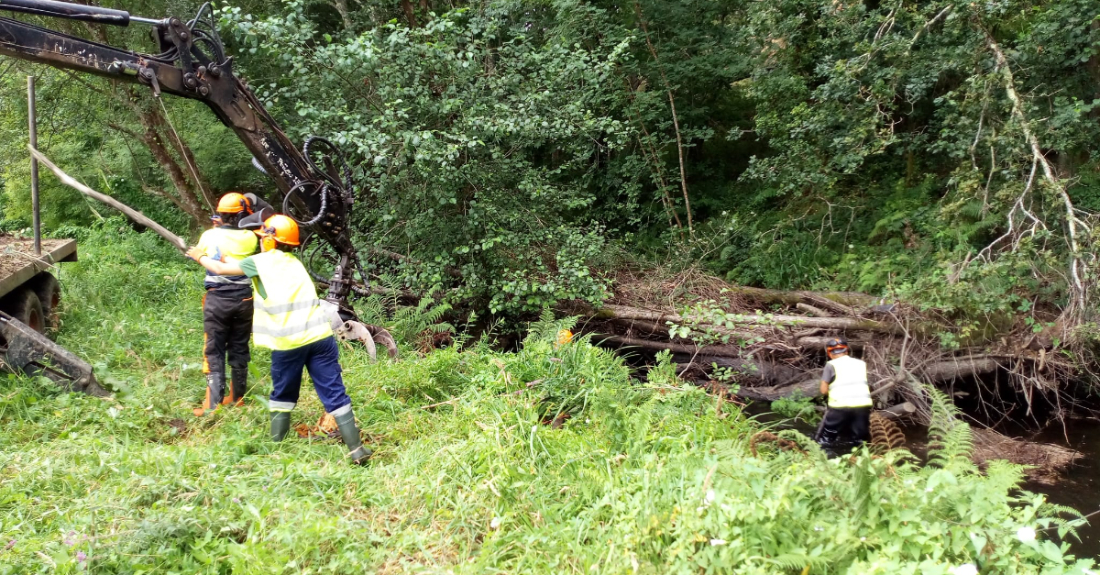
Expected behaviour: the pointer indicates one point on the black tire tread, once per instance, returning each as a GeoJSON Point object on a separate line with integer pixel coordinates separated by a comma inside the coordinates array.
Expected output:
{"type": "Point", "coordinates": [48, 290]}
{"type": "Point", "coordinates": [22, 304]}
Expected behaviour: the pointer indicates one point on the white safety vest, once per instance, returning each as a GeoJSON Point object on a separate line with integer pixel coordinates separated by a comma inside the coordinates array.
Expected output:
{"type": "Point", "coordinates": [849, 388]}
{"type": "Point", "coordinates": [291, 315]}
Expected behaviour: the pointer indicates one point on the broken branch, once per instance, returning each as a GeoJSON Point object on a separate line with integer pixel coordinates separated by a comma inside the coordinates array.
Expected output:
{"type": "Point", "coordinates": [130, 212]}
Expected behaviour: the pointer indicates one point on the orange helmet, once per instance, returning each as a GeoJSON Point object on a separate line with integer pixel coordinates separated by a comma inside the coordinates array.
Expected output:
{"type": "Point", "coordinates": [234, 203]}
{"type": "Point", "coordinates": [278, 228]}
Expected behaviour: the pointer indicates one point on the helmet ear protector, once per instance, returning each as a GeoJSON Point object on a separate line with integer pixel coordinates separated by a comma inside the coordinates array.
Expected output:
{"type": "Point", "coordinates": [268, 241]}
{"type": "Point", "coordinates": [277, 229]}
{"type": "Point", "coordinates": [255, 220]}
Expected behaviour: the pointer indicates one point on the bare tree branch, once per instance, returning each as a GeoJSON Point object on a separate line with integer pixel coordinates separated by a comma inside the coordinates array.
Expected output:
{"type": "Point", "coordinates": [1078, 267]}
{"type": "Point", "coordinates": [675, 119]}
{"type": "Point", "coordinates": [130, 212]}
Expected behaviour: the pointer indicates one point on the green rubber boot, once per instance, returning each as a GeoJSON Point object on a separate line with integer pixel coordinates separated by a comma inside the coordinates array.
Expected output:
{"type": "Point", "coordinates": [280, 424]}
{"type": "Point", "coordinates": [350, 433]}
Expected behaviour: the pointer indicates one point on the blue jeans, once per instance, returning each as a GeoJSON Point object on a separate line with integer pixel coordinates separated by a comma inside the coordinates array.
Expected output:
{"type": "Point", "coordinates": [322, 359]}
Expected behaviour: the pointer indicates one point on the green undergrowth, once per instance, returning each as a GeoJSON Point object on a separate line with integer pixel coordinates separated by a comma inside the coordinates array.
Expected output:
{"type": "Point", "coordinates": [653, 477]}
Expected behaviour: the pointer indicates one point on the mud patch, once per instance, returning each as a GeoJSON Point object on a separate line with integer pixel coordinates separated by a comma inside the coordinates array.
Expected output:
{"type": "Point", "coordinates": [167, 431]}
{"type": "Point", "coordinates": [1048, 461]}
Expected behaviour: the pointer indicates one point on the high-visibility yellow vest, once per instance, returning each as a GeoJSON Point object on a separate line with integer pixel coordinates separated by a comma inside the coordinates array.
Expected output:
{"type": "Point", "coordinates": [228, 245]}
{"type": "Point", "coordinates": [290, 315]}
{"type": "Point", "coordinates": [849, 388]}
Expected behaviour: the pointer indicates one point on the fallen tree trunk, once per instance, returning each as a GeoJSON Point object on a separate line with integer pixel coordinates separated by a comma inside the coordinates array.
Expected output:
{"type": "Point", "coordinates": [904, 410]}
{"type": "Point", "coordinates": [709, 350]}
{"type": "Point", "coordinates": [818, 342]}
{"type": "Point", "coordinates": [961, 367]}
{"type": "Point", "coordinates": [130, 212]}
{"type": "Point", "coordinates": [817, 312]}
{"type": "Point", "coordinates": [837, 301]}
{"type": "Point", "coordinates": [771, 320]}
{"type": "Point", "coordinates": [648, 327]}
{"type": "Point", "coordinates": [809, 388]}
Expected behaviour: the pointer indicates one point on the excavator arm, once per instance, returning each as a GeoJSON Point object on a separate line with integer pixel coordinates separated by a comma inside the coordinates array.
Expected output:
{"type": "Point", "coordinates": [193, 64]}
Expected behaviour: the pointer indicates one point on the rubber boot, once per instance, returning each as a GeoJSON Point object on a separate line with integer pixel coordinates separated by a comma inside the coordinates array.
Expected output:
{"type": "Point", "coordinates": [280, 424]}
{"type": "Point", "coordinates": [215, 387]}
{"type": "Point", "coordinates": [350, 433]}
{"type": "Point", "coordinates": [237, 387]}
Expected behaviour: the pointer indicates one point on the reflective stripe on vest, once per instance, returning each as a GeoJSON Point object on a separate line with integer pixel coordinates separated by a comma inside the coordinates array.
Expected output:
{"type": "Point", "coordinates": [849, 388]}
{"type": "Point", "coordinates": [291, 315]}
{"type": "Point", "coordinates": [214, 279]}
{"type": "Point", "coordinates": [286, 307]}
{"type": "Point", "coordinates": [228, 245]}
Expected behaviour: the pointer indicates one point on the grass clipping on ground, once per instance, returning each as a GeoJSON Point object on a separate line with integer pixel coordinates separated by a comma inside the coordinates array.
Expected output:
{"type": "Point", "coordinates": [651, 477]}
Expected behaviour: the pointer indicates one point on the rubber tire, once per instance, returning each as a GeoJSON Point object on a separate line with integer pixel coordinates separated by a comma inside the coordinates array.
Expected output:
{"type": "Point", "coordinates": [48, 290]}
{"type": "Point", "coordinates": [25, 306]}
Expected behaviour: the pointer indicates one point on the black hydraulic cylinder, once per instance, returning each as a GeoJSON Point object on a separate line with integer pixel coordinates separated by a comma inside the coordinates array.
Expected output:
{"type": "Point", "coordinates": [68, 11]}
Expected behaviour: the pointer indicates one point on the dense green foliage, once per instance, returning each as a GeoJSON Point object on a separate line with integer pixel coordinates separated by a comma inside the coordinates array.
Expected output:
{"type": "Point", "coordinates": [516, 151]}
{"type": "Point", "coordinates": [649, 478]}
{"type": "Point", "coordinates": [512, 148]}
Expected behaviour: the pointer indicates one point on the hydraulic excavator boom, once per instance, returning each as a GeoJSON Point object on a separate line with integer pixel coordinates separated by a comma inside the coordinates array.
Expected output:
{"type": "Point", "coordinates": [314, 183]}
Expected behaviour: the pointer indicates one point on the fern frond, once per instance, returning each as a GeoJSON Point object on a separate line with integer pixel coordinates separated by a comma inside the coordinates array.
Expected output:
{"type": "Point", "coordinates": [547, 327]}
{"type": "Point", "coordinates": [800, 561]}
{"type": "Point", "coordinates": [885, 434]}
{"type": "Point", "coordinates": [951, 441]}
{"type": "Point", "coordinates": [1002, 475]}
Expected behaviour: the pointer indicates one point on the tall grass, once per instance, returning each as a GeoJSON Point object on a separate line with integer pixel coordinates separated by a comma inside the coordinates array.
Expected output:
{"type": "Point", "coordinates": [649, 478]}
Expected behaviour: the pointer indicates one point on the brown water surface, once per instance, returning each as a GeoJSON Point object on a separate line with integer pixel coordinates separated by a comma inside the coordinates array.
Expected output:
{"type": "Point", "coordinates": [1079, 486]}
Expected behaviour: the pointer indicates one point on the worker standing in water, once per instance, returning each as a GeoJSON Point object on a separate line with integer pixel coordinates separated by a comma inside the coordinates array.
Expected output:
{"type": "Point", "coordinates": [226, 305]}
{"type": "Point", "coordinates": [847, 421]}
{"type": "Point", "coordinates": [290, 320]}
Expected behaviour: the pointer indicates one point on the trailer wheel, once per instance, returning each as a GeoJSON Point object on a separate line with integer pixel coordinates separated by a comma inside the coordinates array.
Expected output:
{"type": "Point", "coordinates": [48, 290]}
{"type": "Point", "coordinates": [25, 306]}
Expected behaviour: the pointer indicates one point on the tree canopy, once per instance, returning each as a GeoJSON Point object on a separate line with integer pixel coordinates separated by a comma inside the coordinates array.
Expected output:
{"type": "Point", "coordinates": [515, 151]}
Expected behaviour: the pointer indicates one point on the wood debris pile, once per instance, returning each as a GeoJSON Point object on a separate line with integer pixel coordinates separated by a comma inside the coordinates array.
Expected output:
{"type": "Point", "coordinates": [771, 343]}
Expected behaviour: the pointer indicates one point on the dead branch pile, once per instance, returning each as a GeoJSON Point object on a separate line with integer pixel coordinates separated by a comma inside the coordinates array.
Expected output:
{"type": "Point", "coordinates": [771, 343]}
{"type": "Point", "coordinates": [1046, 460]}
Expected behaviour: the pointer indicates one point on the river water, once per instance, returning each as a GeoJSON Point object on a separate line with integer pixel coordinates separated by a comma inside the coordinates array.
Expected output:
{"type": "Point", "coordinates": [1079, 486]}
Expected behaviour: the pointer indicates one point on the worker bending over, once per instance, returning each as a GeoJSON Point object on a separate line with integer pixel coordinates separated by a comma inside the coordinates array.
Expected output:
{"type": "Point", "coordinates": [227, 304]}
{"type": "Point", "coordinates": [848, 420]}
{"type": "Point", "coordinates": [291, 321]}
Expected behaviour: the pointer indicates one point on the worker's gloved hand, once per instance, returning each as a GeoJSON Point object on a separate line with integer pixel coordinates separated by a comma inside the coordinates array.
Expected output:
{"type": "Point", "coordinates": [195, 253]}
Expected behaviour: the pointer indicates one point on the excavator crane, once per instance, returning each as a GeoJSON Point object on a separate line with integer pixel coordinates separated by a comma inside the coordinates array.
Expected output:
{"type": "Point", "coordinates": [192, 63]}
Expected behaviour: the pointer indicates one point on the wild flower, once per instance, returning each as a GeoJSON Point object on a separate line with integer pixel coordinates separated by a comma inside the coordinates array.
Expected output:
{"type": "Point", "coordinates": [965, 569]}
{"type": "Point", "coordinates": [1026, 534]}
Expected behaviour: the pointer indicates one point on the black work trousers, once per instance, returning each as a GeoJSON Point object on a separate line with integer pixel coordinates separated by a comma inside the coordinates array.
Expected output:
{"type": "Point", "coordinates": [226, 326]}
{"type": "Point", "coordinates": [845, 427]}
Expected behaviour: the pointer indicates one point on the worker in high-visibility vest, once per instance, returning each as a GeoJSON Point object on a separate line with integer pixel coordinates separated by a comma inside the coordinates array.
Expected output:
{"type": "Point", "coordinates": [848, 419]}
{"type": "Point", "coordinates": [290, 320]}
{"type": "Point", "coordinates": [226, 305]}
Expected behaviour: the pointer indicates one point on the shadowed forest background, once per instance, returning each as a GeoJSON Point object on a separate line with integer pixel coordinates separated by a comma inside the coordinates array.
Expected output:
{"type": "Point", "coordinates": [517, 153]}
